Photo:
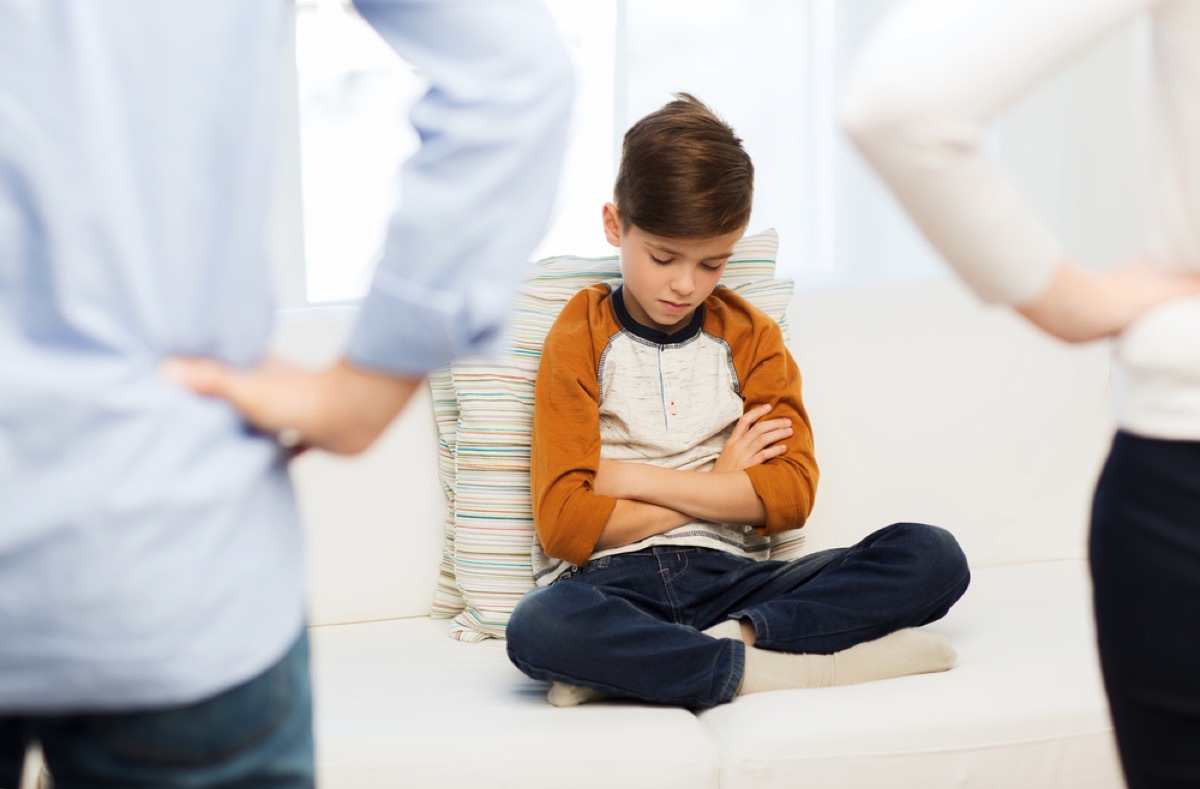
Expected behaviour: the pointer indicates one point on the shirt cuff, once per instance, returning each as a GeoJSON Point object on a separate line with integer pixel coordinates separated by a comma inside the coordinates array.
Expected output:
{"type": "Point", "coordinates": [411, 329]}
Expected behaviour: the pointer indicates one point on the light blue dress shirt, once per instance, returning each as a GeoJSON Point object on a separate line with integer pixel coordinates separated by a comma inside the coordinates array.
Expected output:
{"type": "Point", "coordinates": [150, 549]}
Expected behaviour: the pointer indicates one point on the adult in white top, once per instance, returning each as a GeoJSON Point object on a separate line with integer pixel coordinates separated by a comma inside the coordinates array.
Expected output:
{"type": "Point", "coordinates": [926, 86]}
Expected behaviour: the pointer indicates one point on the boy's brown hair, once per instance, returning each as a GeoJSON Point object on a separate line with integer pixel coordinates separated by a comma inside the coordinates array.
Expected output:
{"type": "Point", "coordinates": [684, 173]}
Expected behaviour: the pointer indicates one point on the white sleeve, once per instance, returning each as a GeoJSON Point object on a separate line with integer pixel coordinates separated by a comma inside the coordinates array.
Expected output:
{"type": "Point", "coordinates": [477, 194]}
{"type": "Point", "coordinates": [919, 100]}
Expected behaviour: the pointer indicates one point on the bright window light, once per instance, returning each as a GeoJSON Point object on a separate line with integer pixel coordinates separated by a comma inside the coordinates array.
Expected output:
{"type": "Point", "coordinates": [355, 95]}
{"type": "Point", "coordinates": [773, 70]}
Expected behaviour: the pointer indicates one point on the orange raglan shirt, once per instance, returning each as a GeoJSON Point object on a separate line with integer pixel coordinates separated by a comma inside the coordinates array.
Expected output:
{"type": "Point", "coordinates": [609, 387]}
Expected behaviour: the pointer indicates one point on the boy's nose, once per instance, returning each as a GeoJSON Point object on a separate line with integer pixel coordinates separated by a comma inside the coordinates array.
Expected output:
{"type": "Point", "coordinates": [684, 283]}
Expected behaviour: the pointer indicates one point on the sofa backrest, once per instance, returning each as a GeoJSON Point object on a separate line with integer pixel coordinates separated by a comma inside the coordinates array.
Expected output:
{"type": "Point", "coordinates": [926, 406]}
{"type": "Point", "coordinates": [375, 521]}
{"type": "Point", "coordinates": [930, 406]}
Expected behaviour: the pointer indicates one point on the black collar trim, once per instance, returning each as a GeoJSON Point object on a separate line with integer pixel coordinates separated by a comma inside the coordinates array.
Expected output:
{"type": "Point", "coordinates": [654, 335]}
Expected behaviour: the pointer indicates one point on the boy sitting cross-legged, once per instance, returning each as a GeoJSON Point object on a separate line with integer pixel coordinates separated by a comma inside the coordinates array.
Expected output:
{"type": "Point", "coordinates": [669, 441]}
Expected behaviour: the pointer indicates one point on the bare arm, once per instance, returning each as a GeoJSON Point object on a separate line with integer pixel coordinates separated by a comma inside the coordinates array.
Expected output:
{"type": "Point", "coordinates": [721, 497]}
{"type": "Point", "coordinates": [341, 409]}
{"type": "Point", "coordinates": [632, 521]}
{"type": "Point", "coordinates": [1082, 305]}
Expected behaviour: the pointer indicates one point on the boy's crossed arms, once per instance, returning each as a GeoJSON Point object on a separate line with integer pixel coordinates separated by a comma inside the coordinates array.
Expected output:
{"type": "Point", "coordinates": [652, 499]}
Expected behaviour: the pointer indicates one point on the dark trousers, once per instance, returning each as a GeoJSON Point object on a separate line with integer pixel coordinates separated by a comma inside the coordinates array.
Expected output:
{"type": "Point", "coordinates": [1145, 558]}
{"type": "Point", "coordinates": [630, 624]}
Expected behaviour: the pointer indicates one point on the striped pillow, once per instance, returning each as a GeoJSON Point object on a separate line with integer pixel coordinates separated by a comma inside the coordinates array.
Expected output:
{"type": "Point", "coordinates": [484, 413]}
{"type": "Point", "coordinates": [447, 599]}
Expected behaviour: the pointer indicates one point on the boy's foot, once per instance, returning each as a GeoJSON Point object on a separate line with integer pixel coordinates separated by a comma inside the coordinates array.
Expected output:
{"type": "Point", "coordinates": [898, 654]}
{"type": "Point", "coordinates": [563, 695]}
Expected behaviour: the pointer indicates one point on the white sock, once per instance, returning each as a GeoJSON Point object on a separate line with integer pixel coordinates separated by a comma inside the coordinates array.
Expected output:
{"type": "Point", "coordinates": [563, 695]}
{"type": "Point", "coordinates": [904, 652]}
{"type": "Point", "coordinates": [730, 628]}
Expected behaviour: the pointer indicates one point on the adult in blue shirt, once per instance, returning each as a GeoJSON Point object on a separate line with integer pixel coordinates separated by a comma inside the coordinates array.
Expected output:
{"type": "Point", "coordinates": [151, 578]}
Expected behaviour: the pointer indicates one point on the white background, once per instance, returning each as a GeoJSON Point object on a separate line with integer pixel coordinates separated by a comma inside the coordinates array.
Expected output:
{"type": "Point", "coordinates": [771, 69]}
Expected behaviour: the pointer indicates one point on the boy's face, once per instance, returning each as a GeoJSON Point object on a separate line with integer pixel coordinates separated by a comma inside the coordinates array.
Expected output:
{"type": "Point", "coordinates": [666, 279]}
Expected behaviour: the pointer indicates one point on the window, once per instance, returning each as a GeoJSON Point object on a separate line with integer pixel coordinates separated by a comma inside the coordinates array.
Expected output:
{"type": "Point", "coordinates": [354, 99]}
{"type": "Point", "coordinates": [354, 96]}
{"type": "Point", "coordinates": [771, 69]}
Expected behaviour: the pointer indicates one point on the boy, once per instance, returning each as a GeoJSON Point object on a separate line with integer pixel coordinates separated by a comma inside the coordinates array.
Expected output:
{"type": "Point", "coordinates": [669, 442]}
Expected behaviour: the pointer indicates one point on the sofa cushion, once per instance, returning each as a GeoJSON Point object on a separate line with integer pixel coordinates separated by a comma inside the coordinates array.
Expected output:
{"type": "Point", "coordinates": [1024, 706]}
{"type": "Point", "coordinates": [493, 532]}
{"type": "Point", "coordinates": [399, 704]}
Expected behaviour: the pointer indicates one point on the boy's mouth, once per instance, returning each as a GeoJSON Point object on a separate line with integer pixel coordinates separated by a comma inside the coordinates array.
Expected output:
{"type": "Point", "coordinates": [672, 306]}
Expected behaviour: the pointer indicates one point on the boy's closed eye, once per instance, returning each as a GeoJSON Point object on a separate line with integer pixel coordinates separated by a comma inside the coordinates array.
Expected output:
{"type": "Point", "coordinates": [705, 266]}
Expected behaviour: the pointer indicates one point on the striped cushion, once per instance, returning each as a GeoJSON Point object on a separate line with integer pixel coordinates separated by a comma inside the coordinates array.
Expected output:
{"type": "Point", "coordinates": [447, 599]}
{"type": "Point", "coordinates": [484, 413]}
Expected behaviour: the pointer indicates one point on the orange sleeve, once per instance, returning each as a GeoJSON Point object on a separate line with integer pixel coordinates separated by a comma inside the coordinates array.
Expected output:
{"type": "Point", "coordinates": [568, 515]}
{"type": "Point", "coordinates": [786, 485]}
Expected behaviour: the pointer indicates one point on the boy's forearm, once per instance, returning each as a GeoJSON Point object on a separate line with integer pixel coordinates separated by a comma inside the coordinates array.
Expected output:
{"type": "Point", "coordinates": [632, 521]}
{"type": "Point", "coordinates": [720, 497]}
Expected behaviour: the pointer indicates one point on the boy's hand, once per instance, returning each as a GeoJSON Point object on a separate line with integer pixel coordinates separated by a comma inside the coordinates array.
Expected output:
{"type": "Point", "coordinates": [752, 441]}
{"type": "Point", "coordinates": [341, 409]}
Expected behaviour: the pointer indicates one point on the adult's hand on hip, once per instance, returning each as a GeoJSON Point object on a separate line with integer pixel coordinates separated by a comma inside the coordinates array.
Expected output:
{"type": "Point", "coordinates": [341, 409]}
{"type": "Point", "coordinates": [1081, 306]}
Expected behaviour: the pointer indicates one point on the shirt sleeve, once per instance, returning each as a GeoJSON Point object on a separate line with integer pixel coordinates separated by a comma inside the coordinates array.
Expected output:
{"type": "Point", "coordinates": [477, 193]}
{"type": "Point", "coordinates": [567, 512]}
{"type": "Point", "coordinates": [786, 485]}
{"type": "Point", "coordinates": [918, 102]}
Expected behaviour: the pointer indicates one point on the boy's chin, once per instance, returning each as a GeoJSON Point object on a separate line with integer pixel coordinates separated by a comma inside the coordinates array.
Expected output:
{"type": "Point", "coordinates": [668, 324]}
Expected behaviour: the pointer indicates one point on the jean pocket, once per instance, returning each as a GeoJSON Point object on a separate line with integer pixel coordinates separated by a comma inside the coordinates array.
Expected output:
{"type": "Point", "coordinates": [207, 731]}
{"type": "Point", "coordinates": [596, 565]}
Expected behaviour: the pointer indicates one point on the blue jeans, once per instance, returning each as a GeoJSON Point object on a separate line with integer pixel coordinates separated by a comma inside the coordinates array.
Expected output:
{"type": "Point", "coordinates": [629, 624]}
{"type": "Point", "coordinates": [257, 735]}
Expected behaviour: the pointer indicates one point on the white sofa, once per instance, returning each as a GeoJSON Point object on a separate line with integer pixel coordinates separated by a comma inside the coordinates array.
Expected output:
{"type": "Point", "coordinates": [926, 406]}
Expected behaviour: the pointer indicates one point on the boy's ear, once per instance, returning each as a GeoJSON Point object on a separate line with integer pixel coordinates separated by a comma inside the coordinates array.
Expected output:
{"type": "Point", "coordinates": [612, 224]}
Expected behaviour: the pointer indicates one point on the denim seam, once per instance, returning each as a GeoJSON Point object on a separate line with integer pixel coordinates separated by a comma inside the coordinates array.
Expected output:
{"type": "Point", "coordinates": [667, 578]}
{"type": "Point", "coordinates": [737, 670]}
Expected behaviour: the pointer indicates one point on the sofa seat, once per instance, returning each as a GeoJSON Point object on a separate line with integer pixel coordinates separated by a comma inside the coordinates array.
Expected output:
{"type": "Point", "coordinates": [399, 703]}
{"type": "Point", "coordinates": [1023, 707]}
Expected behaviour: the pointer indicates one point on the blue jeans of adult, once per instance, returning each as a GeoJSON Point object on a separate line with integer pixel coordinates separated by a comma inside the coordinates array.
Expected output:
{"type": "Point", "coordinates": [630, 624]}
{"type": "Point", "coordinates": [1145, 558]}
{"type": "Point", "coordinates": [257, 735]}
